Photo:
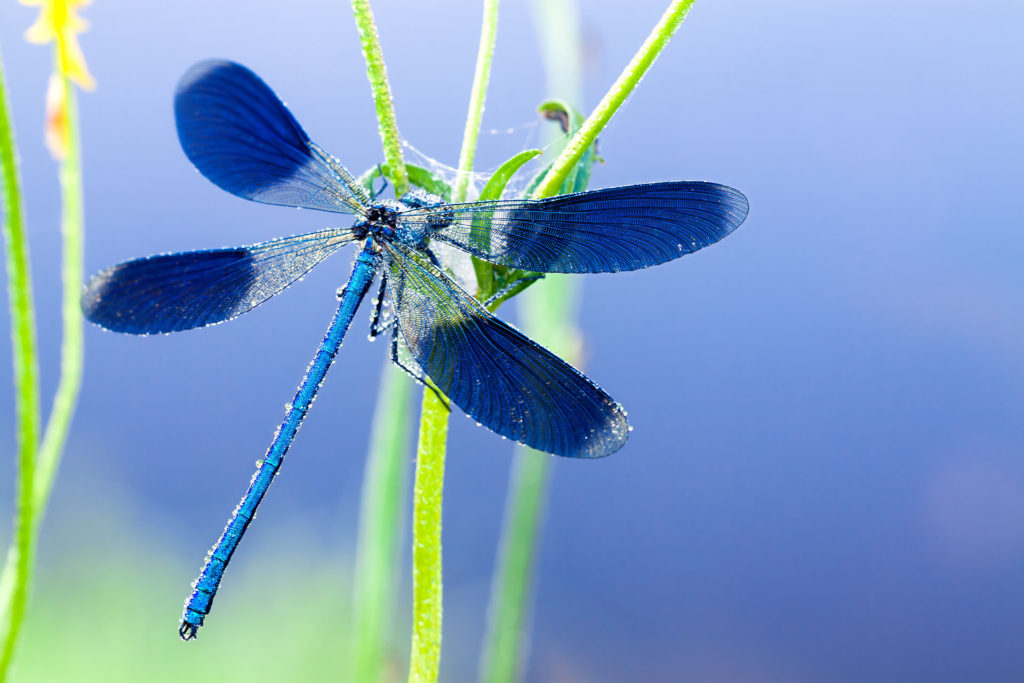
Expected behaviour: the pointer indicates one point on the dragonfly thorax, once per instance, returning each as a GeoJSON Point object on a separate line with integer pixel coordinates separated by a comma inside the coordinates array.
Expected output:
{"type": "Point", "coordinates": [380, 221]}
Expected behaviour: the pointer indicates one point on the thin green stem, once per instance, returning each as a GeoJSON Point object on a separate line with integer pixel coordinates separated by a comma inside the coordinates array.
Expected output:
{"type": "Point", "coordinates": [380, 524]}
{"type": "Point", "coordinates": [72, 346]}
{"type": "Point", "coordinates": [481, 77]}
{"type": "Point", "coordinates": [547, 317]}
{"type": "Point", "coordinates": [428, 492]}
{"type": "Point", "coordinates": [613, 99]}
{"type": "Point", "coordinates": [378, 74]}
{"type": "Point", "coordinates": [26, 385]}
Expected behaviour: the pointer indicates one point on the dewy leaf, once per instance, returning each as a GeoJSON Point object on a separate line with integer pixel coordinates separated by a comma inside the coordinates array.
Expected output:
{"type": "Point", "coordinates": [486, 272]}
{"type": "Point", "coordinates": [418, 176]}
{"type": "Point", "coordinates": [496, 185]}
{"type": "Point", "coordinates": [512, 281]}
{"type": "Point", "coordinates": [429, 181]}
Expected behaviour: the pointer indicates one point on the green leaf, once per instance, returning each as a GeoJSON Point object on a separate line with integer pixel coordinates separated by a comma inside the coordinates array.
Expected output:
{"type": "Point", "coordinates": [485, 272]}
{"type": "Point", "coordinates": [496, 185]}
{"type": "Point", "coordinates": [570, 120]}
{"type": "Point", "coordinates": [418, 176]}
{"type": "Point", "coordinates": [492, 278]}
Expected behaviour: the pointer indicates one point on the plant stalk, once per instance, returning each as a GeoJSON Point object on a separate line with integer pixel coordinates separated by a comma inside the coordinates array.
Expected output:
{"type": "Point", "coordinates": [430, 456]}
{"type": "Point", "coordinates": [616, 95]}
{"type": "Point", "coordinates": [14, 586]}
{"type": "Point", "coordinates": [72, 346]}
{"type": "Point", "coordinates": [382, 510]}
{"type": "Point", "coordinates": [481, 77]}
{"type": "Point", "coordinates": [380, 528]}
{"type": "Point", "coordinates": [428, 491]}
{"type": "Point", "coordinates": [384, 104]}
{"type": "Point", "coordinates": [547, 318]}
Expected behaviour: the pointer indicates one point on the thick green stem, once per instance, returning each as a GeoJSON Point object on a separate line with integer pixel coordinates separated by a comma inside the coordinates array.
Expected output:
{"type": "Point", "coordinates": [613, 99]}
{"type": "Point", "coordinates": [428, 493]}
{"type": "Point", "coordinates": [26, 386]}
{"type": "Point", "coordinates": [380, 524]}
{"type": "Point", "coordinates": [481, 77]}
{"type": "Point", "coordinates": [384, 481]}
{"type": "Point", "coordinates": [430, 455]}
{"type": "Point", "coordinates": [378, 74]}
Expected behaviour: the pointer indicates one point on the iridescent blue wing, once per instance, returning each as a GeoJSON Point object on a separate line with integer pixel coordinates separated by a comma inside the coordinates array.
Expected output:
{"type": "Point", "coordinates": [241, 136]}
{"type": "Point", "coordinates": [172, 292]}
{"type": "Point", "coordinates": [603, 231]}
{"type": "Point", "coordinates": [498, 376]}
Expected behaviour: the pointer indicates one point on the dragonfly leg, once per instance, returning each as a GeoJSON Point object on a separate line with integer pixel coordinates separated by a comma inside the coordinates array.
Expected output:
{"type": "Point", "coordinates": [383, 328]}
{"type": "Point", "coordinates": [433, 258]}
{"type": "Point", "coordinates": [376, 327]}
{"type": "Point", "coordinates": [418, 375]}
{"type": "Point", "coordinates": [384, 184]}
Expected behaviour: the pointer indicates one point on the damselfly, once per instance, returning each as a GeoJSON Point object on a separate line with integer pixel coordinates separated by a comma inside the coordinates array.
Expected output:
{"type": "Point", "coordinates": [240, 136]}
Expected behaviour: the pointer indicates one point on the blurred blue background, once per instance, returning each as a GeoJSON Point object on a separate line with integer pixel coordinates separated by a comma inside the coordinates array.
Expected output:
{"type": "Point", "coordinates": [825, 481]}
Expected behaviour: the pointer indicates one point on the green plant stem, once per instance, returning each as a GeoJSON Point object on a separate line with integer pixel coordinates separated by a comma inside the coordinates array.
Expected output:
{"type": "Point", "coordinates": [428, 491]}
{"type": "Point", "coordinates": [378, 74]}
{"type": "Point", "coordinates": [426, 549]}
{"type": "Point", "coordinates": [546, 309]}
{"type": "Point", "coordinates": [26, 386]}
{"type": "Point", "coordinates": [384, 482]}
{"type": "Point", "coordinates": [547, 319]}
{"type": "Point", "coordinates": [481, 77]}
{"type": "Point", "coordinates": [72, 346]}
{"type": "Point", "coordinates": [613, 99]}
{"type": "Point", "coordinates": [380, 524]}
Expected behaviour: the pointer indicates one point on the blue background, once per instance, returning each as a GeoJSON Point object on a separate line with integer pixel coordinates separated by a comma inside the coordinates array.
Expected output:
{"type": "Point", "coordinates": [825, 479]}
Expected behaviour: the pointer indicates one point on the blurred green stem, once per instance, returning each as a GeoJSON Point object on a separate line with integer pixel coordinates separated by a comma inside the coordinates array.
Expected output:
{"type": "Point", "coordinates": [380, 524]}
{"type": "Point", "coordinates": [378, 74]}
{"type": "Point", "coordinates": [547, 318]}
{"type": "Point", "coordinates": [14, 586]}
{"type": "Point", "coordinates": [527, 492]}
{"type": "Point", "coordinates": [72, 349]}
{"type": "Point", "coordinates": [72, 346]}
{"type": "Point", "coordinates": [481, 77]}
{"type": "Point", "coordinates": [613, 99]}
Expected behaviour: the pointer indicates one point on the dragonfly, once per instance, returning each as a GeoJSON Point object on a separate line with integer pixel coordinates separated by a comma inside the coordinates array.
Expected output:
{"type": "Point", "coordinates": [239, 134]}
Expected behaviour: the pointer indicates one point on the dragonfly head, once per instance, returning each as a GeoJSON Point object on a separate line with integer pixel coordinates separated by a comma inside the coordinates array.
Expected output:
{"type": "Point", "coordinates": [379, 220]}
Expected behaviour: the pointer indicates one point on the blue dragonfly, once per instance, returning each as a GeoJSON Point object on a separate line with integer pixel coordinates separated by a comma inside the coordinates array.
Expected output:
{"type": "Point", "coordinates": [239, 135]}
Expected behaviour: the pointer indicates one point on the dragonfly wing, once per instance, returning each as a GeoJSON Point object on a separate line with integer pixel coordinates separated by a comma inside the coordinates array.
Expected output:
{"type": "Point", "coordinates": [241, 136]}
{"type": "Point", "coordinates": [172, 292]}
{"type": "Point", "coordinates": [603, 231]}
{"type": "Point", "coordinates": [498, 376]}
